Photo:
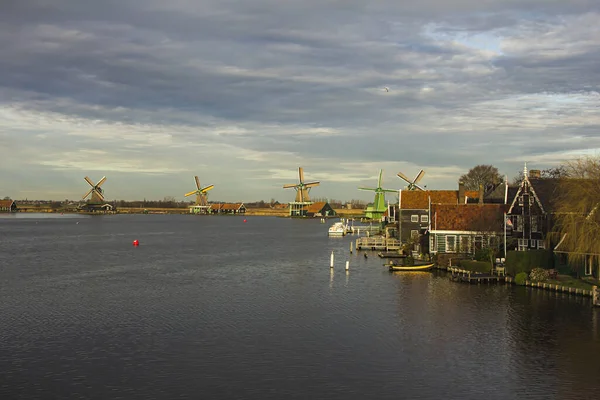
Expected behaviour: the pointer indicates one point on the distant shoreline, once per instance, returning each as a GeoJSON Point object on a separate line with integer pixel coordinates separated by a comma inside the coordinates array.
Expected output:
{"type": "Point", "coordinates": [342, 213]}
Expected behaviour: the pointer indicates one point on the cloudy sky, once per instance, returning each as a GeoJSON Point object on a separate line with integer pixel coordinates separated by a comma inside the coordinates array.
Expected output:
{"type": "Point", "coordinates": [242, 93]}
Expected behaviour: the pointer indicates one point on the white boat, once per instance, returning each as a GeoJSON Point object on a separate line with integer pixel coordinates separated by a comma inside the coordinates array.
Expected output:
{"type": "Point", "coordinates": [337, 229]}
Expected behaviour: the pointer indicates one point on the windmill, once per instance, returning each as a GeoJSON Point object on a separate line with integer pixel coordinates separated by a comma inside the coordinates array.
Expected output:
{"type": "Point", "coordinates": [302, 197]}
{"type": "Point", "coordinates": [378, 208]}
{"type": "Point", "coordinates": [302, 188]}
{"type": "Point", "coordinates": [96, 191]}
{"type": "Point", "coordinates": [412, 185]}
{"type": "Point", "coordinates": [201, 196]}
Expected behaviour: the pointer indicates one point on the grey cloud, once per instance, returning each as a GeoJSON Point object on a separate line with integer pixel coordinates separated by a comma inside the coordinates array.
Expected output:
{"type": "Point", "coordinates": [269, 73]}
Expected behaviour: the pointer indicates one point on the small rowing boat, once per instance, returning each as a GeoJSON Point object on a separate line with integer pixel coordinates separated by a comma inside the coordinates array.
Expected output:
{"type": "Point", "coordinates": [416, 267]}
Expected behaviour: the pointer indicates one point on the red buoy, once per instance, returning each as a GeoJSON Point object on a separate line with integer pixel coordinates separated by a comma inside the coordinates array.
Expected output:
{"type": "Point", "coordinates": [244, 220]}
{"type": "Point", "coordinates": [136, 242]}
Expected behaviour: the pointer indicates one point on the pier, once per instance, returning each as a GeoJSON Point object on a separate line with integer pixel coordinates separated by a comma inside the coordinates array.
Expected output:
{"type": "Point", "coordinates": [377, 243]}
{"type": "Point", "coordinates": [460, 275]}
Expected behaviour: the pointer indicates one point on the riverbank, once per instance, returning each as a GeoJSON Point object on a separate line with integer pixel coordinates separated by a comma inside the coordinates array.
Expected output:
{"type": "Point", "coordinates": [268, 212]}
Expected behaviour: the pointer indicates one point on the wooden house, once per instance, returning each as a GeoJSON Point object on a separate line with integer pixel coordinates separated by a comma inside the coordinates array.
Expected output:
{"type": "Point", "coordinates": [8, 206]}
{"type": "Point", "coordinates": [413, 214]}
{"type": "Point", "coordinates": [465, 228]}
{"type": "Point", "coordinates": [530, 211]}
{"type": "Point", "coordinates": [588, 262]}
{"type": "Point", "coordinates": [319, 209]}
{"type": "Point", "coordinates": [228, 208]}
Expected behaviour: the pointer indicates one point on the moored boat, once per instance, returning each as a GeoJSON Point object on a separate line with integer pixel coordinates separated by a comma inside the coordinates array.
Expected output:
{"type": "Point", "coordinates": [337, 229]}
{"type": "Point", "coordinates": [415, 267]}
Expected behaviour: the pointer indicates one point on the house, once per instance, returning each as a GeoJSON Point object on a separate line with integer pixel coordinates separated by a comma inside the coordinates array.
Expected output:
{"type": "Point", "coordinates": [530, 211]}
{"type": "Point", "coordinates": [589, 260]}
{"type": "Point", "coordinates": [228, 208]}
{"type": "Point", "coordinates": [319, 209]}
{"type": "Point", "coordinates": [8, 206]}
{"type": "Point", "coordinates": [465, 228]}
{"type": "Point", "coordinates": [413, 210]}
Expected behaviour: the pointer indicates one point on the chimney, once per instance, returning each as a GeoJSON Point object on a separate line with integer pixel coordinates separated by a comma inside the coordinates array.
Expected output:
{"type": "Point", "coordinates": [461, 192]}
{"type": "Point", "coordinates": [535, 173]}
{"type": "Point", "coordinates": [480, 194]}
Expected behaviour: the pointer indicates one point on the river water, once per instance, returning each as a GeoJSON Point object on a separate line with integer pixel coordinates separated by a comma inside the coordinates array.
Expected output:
{"type": "Point", "coordinates": [212, 307]}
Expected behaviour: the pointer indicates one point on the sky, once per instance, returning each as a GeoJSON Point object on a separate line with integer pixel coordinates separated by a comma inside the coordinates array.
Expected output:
{"type": "Point", "coordinates": [242, 93]}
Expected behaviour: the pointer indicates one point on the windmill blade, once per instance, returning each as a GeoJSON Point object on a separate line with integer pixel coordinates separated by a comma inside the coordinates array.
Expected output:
{"type": "Point", "coordinates": [389, 190]}
{"type": "Point", "coordinates": [401, 175]}
{"type": "Point", "coordinates": [197, 182]}
{"type": "Point", "coordinates": [88, 180]}
{"type": "Point", "coordinates": [301, 174]}
{"type": "Point", "coordinates": [191, 193]}
{"type": "Point", "coordinates": [380, 176]}
{"type": "Point", "coordinates": [360, 188]}
{"type": "Point", "coordinates": [206, 189]}
{"type": "Point", "coordinates": [311, 184]}
{"type": "Point", "coordinates": [101, 181]}
{"type": "Point", "coordinates": [293, 185]}
{"type": "Point", "coordinates": [418, 178]}
{"type": "Point", "coordinates": [99, 193]}
{"type": "Point", "coordinates": [87, 194]}
{"type": "Point", "coordinates": [418, 187]}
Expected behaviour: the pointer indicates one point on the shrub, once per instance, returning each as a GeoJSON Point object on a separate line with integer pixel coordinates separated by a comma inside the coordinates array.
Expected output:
{"type": "Point", "coordinates": [521, 278]}
{"type": "Point", "coordinates": [484, 254]}
{"type": "Point", "coordinates": [538, 275]}
{"type": "Point", "coordinates": [410, 260]}
{"type": "Point", "coordinates": [525, 261]}
{"type": "Point", "coordinates": [476, 266]}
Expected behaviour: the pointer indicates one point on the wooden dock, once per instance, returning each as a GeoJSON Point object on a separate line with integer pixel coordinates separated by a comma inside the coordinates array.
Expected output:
{"type": "Point", "coordinates": [458, 275]}
{"type": "Point", "coordinates": [377, 243]}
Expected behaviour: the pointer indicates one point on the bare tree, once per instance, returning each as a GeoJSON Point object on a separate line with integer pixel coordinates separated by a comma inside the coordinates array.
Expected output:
{"type": "Point", "coordinates": [481, 175]}
{"type": "Point", "coordinates": [577, 213]}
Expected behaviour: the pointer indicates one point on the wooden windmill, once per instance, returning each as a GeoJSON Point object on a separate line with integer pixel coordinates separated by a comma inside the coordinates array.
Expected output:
{"type": "Point", "coordinates": [201, 196]}
{"type": "Point", "coordinates": [412, 185]}
{"type": "Point", "coordinates": [302, 197]}
{"type": "Point", "coordinates": [95, 190]}
{"type": "Point", "coordinates": [302, 188]}
{"type": "Point", "coordinates": [378, 208]}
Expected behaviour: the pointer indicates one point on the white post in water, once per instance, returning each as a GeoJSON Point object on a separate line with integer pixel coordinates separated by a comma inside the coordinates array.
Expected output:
{"type": "Point", "coordinates": [351, 247]}
{"type": "Point", "coordinates": [331, 262]}
{"type": "Point", "coordinates": [347, 265]}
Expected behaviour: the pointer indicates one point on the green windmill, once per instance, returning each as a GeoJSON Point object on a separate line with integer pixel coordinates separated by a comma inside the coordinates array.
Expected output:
{"type": "Point", "coordinates": [378, 208]}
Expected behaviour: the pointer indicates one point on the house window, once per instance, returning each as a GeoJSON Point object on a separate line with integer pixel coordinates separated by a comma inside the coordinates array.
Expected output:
{"type": "Point", "coordinates": [534, 223]}
{"type": "Point", "coordinates": [519, 223]}
{"type": "Point", "coordinates": [414, 233]}
{"type": "Point", "coordinates": [424, 218]}
{"type": "Point", "coordinates": [465, 244]}
{"type": "Point", "coordinates": [521, 200]}
{"type": "Point", "coordinates": [493, 241]}
{"type": "Point", "coordinates": [588, 266]}
{"type": "Point", "coordinates": [451, 244]}
{"type": "Point", "coordinates": [414, 218]}
{"type": "Point", "coordinates": [541, 244]}
{"type": "Point", "coordinates": [523, 243]}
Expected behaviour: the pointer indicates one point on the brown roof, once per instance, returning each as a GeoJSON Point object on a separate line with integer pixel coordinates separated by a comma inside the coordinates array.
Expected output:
{"type": "Point", "coordinates": [419, 199]}
{"type": "Point", "coordinates": [230, 206]}
{"type": "Point", "coordinates": [316, 207]}
{"type": "Point", "coordinates": [280, 206]}
{"type": "Point", "coordinates": [468, 217]}
{"type": "Point", "coordinates": [6, 203]}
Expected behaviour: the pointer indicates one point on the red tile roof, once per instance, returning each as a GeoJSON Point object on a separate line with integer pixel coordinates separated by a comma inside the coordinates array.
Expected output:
{"type": "Point", "coordinates": [229, 206]}
{"type": "Point", "coordinates": [315, 207]}
{"type": "Point", "coordinates": [419, 199]}
{"type": "Point", "coordinates": [468, 217]}
{"type": "Point", "coordinates": [6, 203]}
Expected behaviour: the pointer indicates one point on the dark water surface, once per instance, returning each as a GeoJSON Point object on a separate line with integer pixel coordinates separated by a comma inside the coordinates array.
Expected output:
{"type": "Point", "coordinates": [210, 307]}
